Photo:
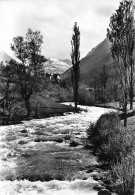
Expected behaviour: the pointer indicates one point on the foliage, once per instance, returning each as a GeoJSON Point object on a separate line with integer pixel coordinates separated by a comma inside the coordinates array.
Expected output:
{"type": "Point", "coordinates": [28, 72]}
{"type": "Point", "coordinates": [110, 139]}
{"type": "Point", "coordinates": [63, 97]}
{"type": "Point", "coordinates": [75, 56]}
{"type": "Point", "coordinates": [85, 97]}
{"type": "Point", "coordinates": [103, 79]}
{"type": "Point", "coordinates": [101, 86]}
{"type": "Point", "coordinates": [9, 93]}
{"type": "Point", "coordinates": [63, 84]}
{"type": "Point", "coordinates": [113, 87]}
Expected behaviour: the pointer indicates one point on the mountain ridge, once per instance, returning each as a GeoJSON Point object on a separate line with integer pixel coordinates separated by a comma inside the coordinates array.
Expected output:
{"type": "Point", "coordinates": [52, 65]}
{"type": "Point", "coordinates": [92, 63]}
{"type": "Point", "coordinates": [4, 56]}
{"type": "Point", "coordinates": [55, 66]}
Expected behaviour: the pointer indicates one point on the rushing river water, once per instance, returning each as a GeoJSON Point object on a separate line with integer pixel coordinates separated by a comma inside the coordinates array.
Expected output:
{"type": "Point", "coordinates": [36, 156]}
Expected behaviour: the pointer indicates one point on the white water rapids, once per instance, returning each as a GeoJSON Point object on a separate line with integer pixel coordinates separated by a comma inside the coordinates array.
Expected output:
{"type": "Point", "coordinates": [36, 157]}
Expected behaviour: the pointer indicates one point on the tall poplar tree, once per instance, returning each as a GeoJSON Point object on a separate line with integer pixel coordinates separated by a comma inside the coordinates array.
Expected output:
{"type": "Point", "coordinates": [121, 34]}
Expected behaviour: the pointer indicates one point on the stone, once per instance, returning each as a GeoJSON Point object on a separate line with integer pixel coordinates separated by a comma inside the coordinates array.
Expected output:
{"type": "Point", "coordinates": [21, 142]}
{"type": "Point", "coordinates": [98, 187]}
{"type": "Point", "coordinates": [24, 131]}
{"type": "Point", "coordinates": [96, 178]}
{"type": "Point", "coordinates": [74, 144]}
{"type": "Point", "coordinates": [104, 192]}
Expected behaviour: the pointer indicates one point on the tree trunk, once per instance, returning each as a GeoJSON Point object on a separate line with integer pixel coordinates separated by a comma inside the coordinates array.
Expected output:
{"type": "Point", "coordinates": [27, 104]}
{"type": "Point", "coordinates": [125, 110]}
{"type": "Point", "coordinates": [75, 97]}
{"type": "Point", "coordinates": [131, 100]}
{"type": "Point", "coordinates": [131, 94]}
{"type": "Point", "coordinates": [104, 90]}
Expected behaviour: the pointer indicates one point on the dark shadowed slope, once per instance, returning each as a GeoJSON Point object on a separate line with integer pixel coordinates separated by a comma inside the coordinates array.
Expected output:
{"type": "Point", "coordinates": [92, 64]}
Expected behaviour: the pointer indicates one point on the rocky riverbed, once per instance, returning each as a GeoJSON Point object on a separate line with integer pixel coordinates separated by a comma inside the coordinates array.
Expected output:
{"type": "Point", "coordinates": [47, 156]}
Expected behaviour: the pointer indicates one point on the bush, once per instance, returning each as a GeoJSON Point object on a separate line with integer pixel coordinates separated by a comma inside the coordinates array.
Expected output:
{"type": "Point", "coordinates": [85, 97]}
{"type": "Point", "coordinates": [64, 97]}
{"type": "Point", "coordinates": [110, 140]}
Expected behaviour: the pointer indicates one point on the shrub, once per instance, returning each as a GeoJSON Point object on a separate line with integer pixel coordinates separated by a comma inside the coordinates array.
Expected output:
{"type": "Point", "coordinates": [110, 139]}
{"type": "Point", "coordinates": [85, 97]}
{"type": "Point", "coordinates": [64, 97]}
{"type": "Point", "coordinates": [122, 176]}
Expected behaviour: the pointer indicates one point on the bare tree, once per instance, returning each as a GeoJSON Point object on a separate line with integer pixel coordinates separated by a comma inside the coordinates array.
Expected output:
{"type": "Point", "coordinates": [75, 56]}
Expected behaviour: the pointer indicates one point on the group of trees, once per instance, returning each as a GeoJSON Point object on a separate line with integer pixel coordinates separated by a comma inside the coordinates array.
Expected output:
{"type": "Point", "coordinates": [100, 85]}
{"type": "Point", "coordinates": [121, 33]}
{"type": "Point", "coordinates": [118, 83]}
{"type": "Point", "coordinates": [21, 78]}
{"type": "Point", "coordinates": [26, 75]}
{"type": "Point", "coordinates": [106, 86]}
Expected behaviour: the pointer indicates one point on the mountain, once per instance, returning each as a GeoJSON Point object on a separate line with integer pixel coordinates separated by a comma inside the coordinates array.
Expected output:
{"type": "Point", "coordinates": [67, 61]}
{"type": "Point", "coordinates": [53, 65]}
{"type": "Point", "coordinates": [93, 62]}
{"type": "Point", "coordinates": [4, 56]}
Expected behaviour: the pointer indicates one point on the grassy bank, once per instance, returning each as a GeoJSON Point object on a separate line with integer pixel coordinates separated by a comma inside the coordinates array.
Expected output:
{"type": "Point", "coordinates": [114, 146]}
{"type": "Point", "coordinates": [43, 108]}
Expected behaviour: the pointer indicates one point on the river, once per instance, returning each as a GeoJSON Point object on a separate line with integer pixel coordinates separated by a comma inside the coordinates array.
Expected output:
{"type": "Point", "coordinates": [36, 156]}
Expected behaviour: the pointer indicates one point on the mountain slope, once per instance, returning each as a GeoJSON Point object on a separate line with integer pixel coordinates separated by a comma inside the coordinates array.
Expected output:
{"type": "Point", "coordinates": [92, 64]}
{"type": "Point", "coordinates": [51, 66]}
{"type": "Point", "coordinates": [56, 66]}
{"type": "Point", "coordinates": [4, 56]}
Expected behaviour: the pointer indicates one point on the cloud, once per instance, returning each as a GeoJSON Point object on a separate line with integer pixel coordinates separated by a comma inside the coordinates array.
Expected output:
{"type": "Point", "coordinates": [55, 20]}
{"type": "Point", "coordinates": [106, 8]}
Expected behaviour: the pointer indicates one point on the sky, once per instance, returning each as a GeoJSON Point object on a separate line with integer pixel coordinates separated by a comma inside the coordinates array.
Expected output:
{"type": "Point", "coordinates": [55, 20]}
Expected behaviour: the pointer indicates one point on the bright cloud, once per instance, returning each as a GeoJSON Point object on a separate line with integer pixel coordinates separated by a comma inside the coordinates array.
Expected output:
{"type": "Point", "coordinates": [55, 20]}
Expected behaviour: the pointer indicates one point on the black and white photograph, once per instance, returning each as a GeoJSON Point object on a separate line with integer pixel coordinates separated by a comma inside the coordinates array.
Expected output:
{"type": "Point", "coordinates": [67, 97]}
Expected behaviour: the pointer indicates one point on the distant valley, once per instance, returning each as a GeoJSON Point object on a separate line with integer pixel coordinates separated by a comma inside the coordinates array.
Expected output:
{"type": "Point", "coordinates": [90, 65]}
{"type": "Point", "coordinates": [52, 65]}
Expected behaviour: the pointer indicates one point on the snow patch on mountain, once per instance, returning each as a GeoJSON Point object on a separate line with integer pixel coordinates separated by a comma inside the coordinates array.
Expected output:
{"type": "Point", "coordinates": [53, 65]}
